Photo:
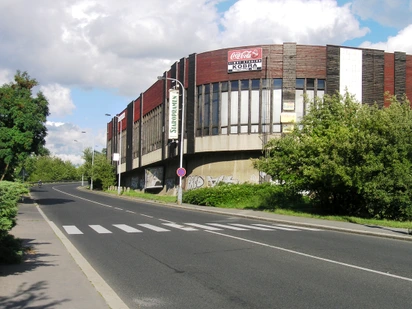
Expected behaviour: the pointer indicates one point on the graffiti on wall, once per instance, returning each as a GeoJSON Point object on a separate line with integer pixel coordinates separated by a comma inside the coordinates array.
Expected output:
{"type": "Point", "coordinates": [195, 182]}
{"type": "Point", "coordinates": [154, 177]}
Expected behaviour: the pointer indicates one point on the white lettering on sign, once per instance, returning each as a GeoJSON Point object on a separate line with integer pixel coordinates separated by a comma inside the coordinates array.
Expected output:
{"type": "Point", "coordinates": [173, 113]}
{"type": "Point", "coordinates": [244, 60]}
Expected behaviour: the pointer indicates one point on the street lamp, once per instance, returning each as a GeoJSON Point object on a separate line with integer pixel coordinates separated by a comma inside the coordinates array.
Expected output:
{"type": "Point", "coordinates": [119, 118]}
{"type": "Point", "coordinates": [179, 190]}
{"type": "Point", "coordinates": [83, 132]}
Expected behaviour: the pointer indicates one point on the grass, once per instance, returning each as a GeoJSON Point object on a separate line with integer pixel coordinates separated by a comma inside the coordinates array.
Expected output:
{"type": "Point", "coordinates": [281, 211]}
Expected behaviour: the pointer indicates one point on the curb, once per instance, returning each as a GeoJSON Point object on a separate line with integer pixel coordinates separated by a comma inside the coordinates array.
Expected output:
{"type": "Point", "coordinates": [249, 216]}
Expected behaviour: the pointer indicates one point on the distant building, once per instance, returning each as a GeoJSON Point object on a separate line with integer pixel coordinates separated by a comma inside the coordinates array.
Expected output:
{"type": "Point", "coordinates": [235, 100]}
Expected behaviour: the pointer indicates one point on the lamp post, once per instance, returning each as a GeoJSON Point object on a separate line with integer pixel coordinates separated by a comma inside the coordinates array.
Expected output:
{"type": "Point", "coordinates": [179, 190]}
{"type": "Point", "coordinates": [83, 132]}
{"type": "Point", "coordinates": [119, 118]}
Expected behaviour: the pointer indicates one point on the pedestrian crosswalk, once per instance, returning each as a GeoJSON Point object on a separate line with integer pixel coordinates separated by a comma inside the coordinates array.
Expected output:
{"type": "Point", "coordinates": [187, 227]}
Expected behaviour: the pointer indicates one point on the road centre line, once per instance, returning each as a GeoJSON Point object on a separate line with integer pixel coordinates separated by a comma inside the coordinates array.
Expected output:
{"type": "Point", "coordinates": [314, 257]}
{"type": "Point", "coordinates": [168, 221]}
{"type": "Point", "coordinates": [132, 212]}
{"type": "Point", "coordinates": [82, 198]}
{"type": "Point", "coordinates": [146, 216]}
{"type": "Point", "coordinates": [118, 208]}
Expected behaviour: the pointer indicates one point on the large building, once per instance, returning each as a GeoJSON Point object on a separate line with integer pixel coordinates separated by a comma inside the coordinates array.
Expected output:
{"type": "Point", "coordinates": [236, 99]}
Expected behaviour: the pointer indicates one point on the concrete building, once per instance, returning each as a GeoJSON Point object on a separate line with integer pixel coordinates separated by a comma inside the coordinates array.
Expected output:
{"type": "Point", "coordinates": [235, 100]}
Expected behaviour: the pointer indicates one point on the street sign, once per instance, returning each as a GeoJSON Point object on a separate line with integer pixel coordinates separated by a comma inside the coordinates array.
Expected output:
{"type": "Point", "coordinates": [181, 172]}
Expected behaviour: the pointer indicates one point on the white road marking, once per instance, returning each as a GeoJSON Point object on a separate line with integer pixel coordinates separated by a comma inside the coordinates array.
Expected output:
{"type": "Point", "coordinates": [300, 227]}
{"type": "Point", "coordinates": [228, 227]}
{"type": "Point", "coordinates": [168, 221]}
{"type": "Point", "coordinates": [129, 211]}
{"type": "Point", "coordinates": [100, 229]}
{"type": "Point", "coordinates": [180, 227]}
{"type": "Point", "coordinates": [205, 227]}
{"type": "Point", "coordinates": [118, 208]}
{"type": "Point", "coordinates": [126, 228]}
{"type": "Point", "coordinates": [72, 230]}
{"type": "Point", "coordinates": [252, 227]}
{"type": "Point", "coordinates": [314, 257]}
{"type": "Point", "coordinates": [276, 227]}
{"type": "Point", "coordinates": [154, 228]}
{"type": "Point", "coordinates": [146, 216]}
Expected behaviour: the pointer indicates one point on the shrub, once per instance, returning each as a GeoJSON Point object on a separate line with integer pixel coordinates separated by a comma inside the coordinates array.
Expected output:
{"type": "Point", "coordinates": [10, 193]}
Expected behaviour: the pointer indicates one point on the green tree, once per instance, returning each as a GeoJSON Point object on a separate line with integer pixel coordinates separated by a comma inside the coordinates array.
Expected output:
{"type": "Point", "coordinates": [352, 159]}
{"type": "Point", "coordinates": [99, 168]}
{"type": "Point", "coordinates": [22, 122]}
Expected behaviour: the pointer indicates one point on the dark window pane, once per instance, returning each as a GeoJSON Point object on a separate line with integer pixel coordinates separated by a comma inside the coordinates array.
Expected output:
{"type": "Point", "coordinates": [207, 88]}
{"type": "Point", "coordinates": [207, 111]}
{"type": "Point", "coordinates": [245, 84]}
{"type": "Point", "coordinates": [225, 86]}
{"type": "Point", "coordinates": [321, 84]}
{"type": "Point", "coordinates": [234, 85]}
{"type": "Point", "coordinates": [300, 83]}
{"type": "Point", "coordinates": [310, 84]}
{"type": "Point", "coordinates": [215, 109]}
{"type": "Point", "coordinates": [277, 83]}
{"type": "Point", "coordinates": [255, 84]}
{"type": "Point", "coordinates": [215, 87]}
{"type": "Point", "coordinates": [199, 89]}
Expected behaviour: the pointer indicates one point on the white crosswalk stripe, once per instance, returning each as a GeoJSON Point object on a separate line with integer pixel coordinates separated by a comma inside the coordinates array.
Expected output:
{"type": "Point", "coordinates": [154, 228]}
{"type": "Point", "coordinates": [301, 227]}
{"type": "Point", "coordinates": [126, 228]}
{"type": "Point", "coordinates": [72, 230]}
{"type": "Point", "coordinates": [276, 227]}
{"type": "Point", "coordinates": [204, 227]}
{"type": "Point", "coordinates": [252, 227]}
{"type": "Point", "coordinates": [100, 229]}
{"type": "Point", "coordinates": [180, 227]}
{"type": "Point", "coordinates": [229, 227]}
{"type": "Point", "coordinates": [189, 227]}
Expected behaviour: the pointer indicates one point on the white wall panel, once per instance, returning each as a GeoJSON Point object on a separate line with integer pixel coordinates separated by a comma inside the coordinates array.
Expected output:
{"type": "Point", "coordinates": [351, 72]}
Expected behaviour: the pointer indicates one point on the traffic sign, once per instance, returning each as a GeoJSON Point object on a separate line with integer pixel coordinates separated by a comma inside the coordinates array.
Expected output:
{"type": "Point", "coordinates": [181, 172]}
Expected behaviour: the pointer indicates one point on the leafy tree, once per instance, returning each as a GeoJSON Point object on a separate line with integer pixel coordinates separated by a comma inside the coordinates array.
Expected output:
{"type": "Point", "coordinates": [352, 159]}
{"type": "Point", "coordinates": [47, 168]}
{"type": "Point", "coordinates": [22, 122]}
{"type": "Point", "coordinates": [99, 168]}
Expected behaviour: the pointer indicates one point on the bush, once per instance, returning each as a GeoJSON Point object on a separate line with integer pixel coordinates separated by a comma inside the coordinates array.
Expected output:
{"type": "Point", "coordinates": [10, 193]}
{"type": "Point", "coordinates": [252, 196]}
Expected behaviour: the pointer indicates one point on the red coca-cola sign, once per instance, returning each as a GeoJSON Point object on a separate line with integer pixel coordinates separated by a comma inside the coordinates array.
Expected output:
{"type": "Point", "coordinates": [244, 54]}
{"type": "Point", "coordinates": [241, 60]}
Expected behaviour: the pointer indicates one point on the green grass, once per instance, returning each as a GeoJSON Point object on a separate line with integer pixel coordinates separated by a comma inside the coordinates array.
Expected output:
{"type": "Point", "coordinates": [254, 204]}
{"type": "Point", "coordinates": [147, 196]}
{"type": "Point", "coordinates": [375, 222]}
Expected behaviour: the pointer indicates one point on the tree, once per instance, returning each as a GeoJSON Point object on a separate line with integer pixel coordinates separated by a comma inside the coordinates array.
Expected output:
{"type": "Point", "coordinates": [22, 122]}
{"type": "Point", "coordinates": [98, 168]}
{"type": "Point", "coordinates": [353, 159]}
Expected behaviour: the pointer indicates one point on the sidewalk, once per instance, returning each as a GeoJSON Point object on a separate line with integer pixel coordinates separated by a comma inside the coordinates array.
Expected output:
{"type": "Point", "coordinates": [55, 275]}
{"type": "Point", "coordinates": [50, 276]}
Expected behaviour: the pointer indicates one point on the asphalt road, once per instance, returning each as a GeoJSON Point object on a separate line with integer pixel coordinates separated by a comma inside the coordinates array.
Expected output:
{"type": "Point", "coordinates": [155, 256]}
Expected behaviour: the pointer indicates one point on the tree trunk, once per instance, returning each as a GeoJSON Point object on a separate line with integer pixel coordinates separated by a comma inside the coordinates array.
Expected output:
{"type": "Point", "coordinates": [5, 172]}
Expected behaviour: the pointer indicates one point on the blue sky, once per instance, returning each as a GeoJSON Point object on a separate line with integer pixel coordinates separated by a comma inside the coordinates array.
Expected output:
{"type": "Point", "coordinates": [94, 57]}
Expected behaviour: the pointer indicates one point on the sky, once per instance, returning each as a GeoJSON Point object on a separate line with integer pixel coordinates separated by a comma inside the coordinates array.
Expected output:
{"type": "Point", "coordinates": [93, 58]}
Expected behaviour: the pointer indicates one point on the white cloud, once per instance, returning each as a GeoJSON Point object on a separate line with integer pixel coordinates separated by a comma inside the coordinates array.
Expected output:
{"type": "Point", "coordinates": [305, 22]}
{"type": "Point", "coordinates": [400, 42]}
{"type": "Point", "coordinates": [67, 141]}
{"type": "Point", "coordinates": [392, 13]}
{"type": "Point", "coordinates": [5, 77]}
{"type": "Point", "coordinates": [120, 45]}
{"type": "Point", "coordinates": [60, 102]}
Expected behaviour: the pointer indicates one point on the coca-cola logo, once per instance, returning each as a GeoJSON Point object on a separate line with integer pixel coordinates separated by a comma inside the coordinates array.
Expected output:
{"type": "Point", "coordinates": [244, 54]}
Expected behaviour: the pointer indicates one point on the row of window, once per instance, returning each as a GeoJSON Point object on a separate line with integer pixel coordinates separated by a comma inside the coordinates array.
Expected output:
{"type": "Point", "coordinates": [249, 106]}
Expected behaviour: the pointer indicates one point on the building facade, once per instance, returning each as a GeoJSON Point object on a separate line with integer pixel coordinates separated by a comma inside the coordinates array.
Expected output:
{"type": "Point", "coordinates": [235, 100]}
